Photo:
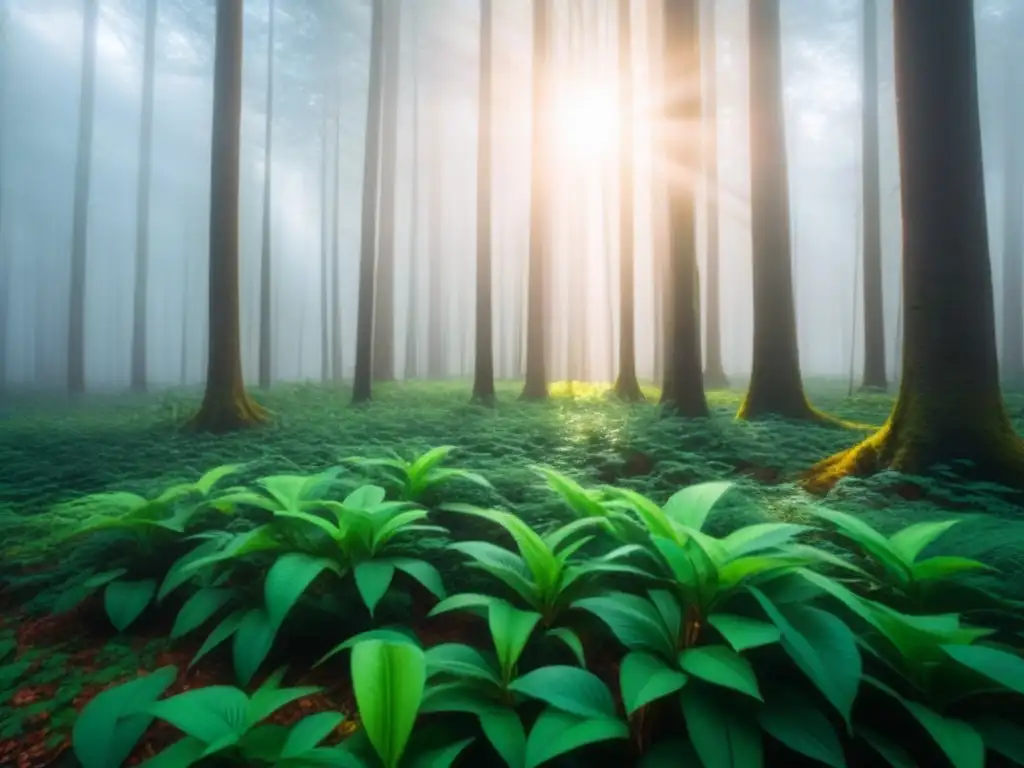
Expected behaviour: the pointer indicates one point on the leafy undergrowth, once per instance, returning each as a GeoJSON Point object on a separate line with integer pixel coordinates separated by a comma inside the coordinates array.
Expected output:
{"type": "Point", "coordinates": [53, 454]}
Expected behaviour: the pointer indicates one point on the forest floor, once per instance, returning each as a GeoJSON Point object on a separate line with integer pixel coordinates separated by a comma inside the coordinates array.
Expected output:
{"type": "Point", "coordinates": [53, 452]}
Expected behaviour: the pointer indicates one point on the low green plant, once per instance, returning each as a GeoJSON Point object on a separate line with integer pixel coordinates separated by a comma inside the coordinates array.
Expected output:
{"type": "Point", "coordinates": [414, 479]}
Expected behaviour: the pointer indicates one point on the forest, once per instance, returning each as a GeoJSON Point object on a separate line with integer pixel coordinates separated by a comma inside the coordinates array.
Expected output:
{"type": "Point", "coordinates": [428, 383]}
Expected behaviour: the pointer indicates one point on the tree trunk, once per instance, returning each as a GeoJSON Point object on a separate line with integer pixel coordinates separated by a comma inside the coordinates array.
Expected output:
{"type": "Point", "coordinates": [714, 372]}
{"type": "Point", "coordinates": [775, 384]}
{"type": "Point", "coordinates": [436, 346]}
{"type": "Point", "coordinates": [949, 407]}
{"type": "Point", "coordinates": [337, 338]}
{"type": "Point", "coordinates": [139, 361]}
{"type": "Point", "coordinates": [383, 357]}
{"type": "Point", "coordinates": [361, 383]}
{"type": "Point", "coordinates": [535, 386]}
{"type": "Point", "coordinates": [483, 374]}
{"type": "Point", "coordinates": [226, 406]}
{"type": "Point", "coordinates": [626, 386]}
{"type": "Point", "coordinates": [5, 260]}
{"type": "Point", "coordinates": [325, 248]}
{"type": "Point", "coordinates": [1012, 365]}
{"type": "Point", "coordinates": [266, 317]}
{"type": "Point", "coordinates": [412, 339]}
{"type": "Point", "coordinates": [683, 386]}
{"type": "Point", "coordinates": [80, 222]}
{"type": "Point", "coordinates": [871, 220]}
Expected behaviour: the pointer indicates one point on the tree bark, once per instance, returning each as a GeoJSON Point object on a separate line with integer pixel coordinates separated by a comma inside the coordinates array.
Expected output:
{"type": "Point", "coordinates": [325, 248]}
{"type": "Point", "coordinates": [775, 384]}
{"type": "Point", "coordinates": [949, 407]}
{"type": "Point", "coordinates": [139, 313]}
{"type": "Point", "coordinates": [683, 385]}
{"type": "Point", "coordinates": [384, 305]}
{"type": "Point", "coordinates": [871, 222]}
{"type": "Point", "coordinates": [1012, 364]}
{"type": "Point", "coordinates": [412, 334]}
{"type": "Point", "coordinates": [483, 374]}
{"type": "Point", "coordinates": [337, 337]}
{"type": "Point", "coordinates": [361, 384]}
{"type": "Point", "coordinates": [535, 386]}
{"type": "Point", "coordinates": [226, 406]}
{"type": "Point", "coordinates": [437, 364]}
{"type": "Point", "coordinates": [266, 308]}
{"type": "Point", "coordinates": [80, 220]}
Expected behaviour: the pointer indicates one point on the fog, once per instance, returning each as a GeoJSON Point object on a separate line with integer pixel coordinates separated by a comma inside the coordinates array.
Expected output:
{"type": "Point", "coordinates": [321, 57]}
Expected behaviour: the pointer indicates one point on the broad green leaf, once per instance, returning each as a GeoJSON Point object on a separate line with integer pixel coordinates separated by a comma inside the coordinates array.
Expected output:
{"type": "Point", "coordinates": [309, 732]}
{"type": "Point", "coordinates": [464, 601]}
{"type": "Point", "coordinates": [209, 714]}
{"type": "Point", "coordinates": [126, 600]}
{"type": "Point", "coordinates": [227, 627]}
{"type": "Point", "coordinates": [868, 538]}
{"type": "Point", "coordinates": [213, 476]}
{"type": "Point", "coordinates": [505, 731]}
{"type": "Point", "coordinates": [287, 579]}
{"type": "Point", "coordinates": [761, 536]}
{"type": "Point", "coordinates": [942, 567]}
{"type": "Point", "coordinates": [644, 678]}
{"type": "Point", "coordinates": [635, 622]}
{"type": "Point", "coordinates": [182, 753]}
{"type": "Point", "coordinates": [795, 721]}
{"type": "Point", "coordinates": [556, 733]}
{"type": "Point", "coordinates": [199, 608]}
{"type": "Point", "coordinates": [373, 577]}
{"type": "Point", "coordinates": [692, 505]}
{"type": "Point", "coordinates": [571, 641]}
{"type": "Point", "coordinates": [1006, 669]}
{"type": "Point", "coordinates": [252, 642]}
{"type": "Point", "coordinates": [743, 633]}
{"type": "Point", "coordinates": [720, 665]}
{"type": "Point", "coordinates": [270, 698]}
{"type": "Point", "coordinates": [569, 689]}
{"type": "Point", "coordinates": [510, 631]}
{"type": "Point", "coordinates": [1001, 736]}
{"type": "Point", "coordinates": [441, 757]}
{"type": "Point", "coordinates": [111, 724]}
{"type": "Point", "coordinates": [724, 736]}
{"type": "Point", "coordinates": [913, 539]}
{"type": "Point", "coordinates": [179, 572]}
{"type": "Point", "coordinates": [887, 747]}
{"type": "Point", "coordinates": [423, 572]}
{"type": "Point", "coordinates": [459, 660]}
{"type": "Point", "coordinates": [388, 679]}
{"type": "Point", "coordinates": [365, 497]}
{"type": "Point", "coordinates": [391, 635]}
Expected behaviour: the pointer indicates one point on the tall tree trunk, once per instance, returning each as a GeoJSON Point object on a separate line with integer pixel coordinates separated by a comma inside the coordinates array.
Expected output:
{"type": "Point", "coordinates": [1012, 365]}
{"type": "Point", "coordinates": [436, 337]}
{"type": "Point", "coordinates": [383, 357]}
{"type": "Point", "coordinates": [361, 383]}
{"type": "Point", "coordinates": [337, 337]}
{"type": "Point", "coordinates": [626, 386]}
{"type": "Point", "coordinates": [139, 325]}
{"type": "Point", "coordinates": [714, 372]}
{"type": "Point", "coordinates": [535, 386]}
{"type": "Point", "coordinates": [226, 406]}
{"type": "Point", "coordinates": [266, 317]}
{"type": "Point", "coordinates": [325, 248]}
{"type": "Point", "coordinates": [683, 386]}
{"type": "Point", "coordinates": [80, 221]}
{"type": "Point", "coordinates": [871, 213]}
{"type": "Point", "coordinates": [483, 374]}
{"type": "Point", "coordinates": [949, 407]}
{"type": "Point", "coordinates": [775, 384]}
{"type": "Point", "coordinates": [412, 338]}
{"type": "Point", "coordinates": [5, 261]}
{"type": "Point", "coordinates": [659, 191]}
{"type": "Point", "coordinates": [186, 305]}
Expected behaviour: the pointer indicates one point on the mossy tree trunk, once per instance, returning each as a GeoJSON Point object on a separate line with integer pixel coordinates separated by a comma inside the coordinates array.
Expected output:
{"type": "Point", "coordinates": [266, 304]}
{"type": "Point", "coordinates": [226, 406]}
{"type": "Point", "coordinates": [483, 374]}
{"type": "Point", "coordinates": [80, 215]}
{"type": "Point", "coordinates": [361, 383]}
{"type": "Point", "coordinates": [535, 386]}
{"type": "Point", "coordinates": [871, 210]}
{"type": "Point", "coordinates": [683, 386]}
{"type": "Point", "coordinates": [949, 406]}
{"type": "Point", "coordinates": [139, 304]}
{"type": "Point", "coordinates": [626, 386]}
{"type": "Point", "coordinates": [775, 384]}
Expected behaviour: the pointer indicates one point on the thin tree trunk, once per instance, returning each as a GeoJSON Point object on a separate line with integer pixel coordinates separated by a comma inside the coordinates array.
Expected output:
{"type": "Point", "coordinates": [186, 305]}
{"type": "Point", "coordinates": [266, 348]}
{"type": "Point", "coordinates": [775, 382]}
{"type": "Point", "coordinates": [361, 383]}
{"type": "Point", "coordinates": [1013, 225]}
{"type": "Point", "coordinates": [436, 346]}
{"type": "Point", "coordinates": [714, 372]}
{"type": "Point", "coordinates": [683, 387]}
{"type": "Point", "coordinates": [871, 213]}
{"type": "Point", "coordinates": [949, 408]}
{"type": "Point", "coordinates": [384, 304]}
{"type": "Point", "coordinates": [226, 406]}
{"type": "Point", "coordinates": [80, 222]}
{"type": "Point", "coordinates": [483, 374]}
{"type": "Point", "coordinates": [5, 260]}
{"type": "Point", "coordinates": [337, 337]}
{"type": "Point", "coordinates": [325, 221]}
{"type": "Point", "coordinates": [412, 333]}
{"type": "Point", "coordinates": [139, 325]}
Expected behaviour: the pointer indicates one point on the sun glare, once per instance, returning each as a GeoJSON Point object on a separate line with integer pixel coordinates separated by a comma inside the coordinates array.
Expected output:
{"type": "Point", "coordinates": [586, 122]}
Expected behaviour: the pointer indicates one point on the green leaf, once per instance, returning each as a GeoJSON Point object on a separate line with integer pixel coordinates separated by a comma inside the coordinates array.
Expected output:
{"type": "Point", "coordinates": [309, 732]}
{"type": "Point", "coordinates": [868, 538]}
{"type": "Point", "coordinates": [227, 627]}
{"type": "Point", "coordinates": [252, 642]}
{"type": "Point", "coordinates": [111, 724]}
{"type": "Point", "coordinates": [388, 679]}
{"type": "Point", "coordinates": [399, 635]}
{"type": "Point", "coordinates": [724, 736]}
{"type": "Point", "coordinates": [911, 541]}
{"type": "Point", "coordinates": [893, 753]}
{"type": "Point", "coordinates": [570, 689]}
{"type": "Point", "coordinates": [635, 622]}
{"type": "Point", "coordinates": [126, 600]}
{"type": "Point", "coordinates": [504, 730]}
{"type": "Point", "coordinates": [721, 665]}
{"type": "Point", "coordinates": [442, 757]}
{"type": "Point", "coordinates": [691, 506]}
{"type": "Point", "coordinates": [571, 641]}
{"type": "Point", "coordinates": [470, 601]}
{"type": "Point", "coordinates": [460, 661]}
{"type": "Point", "coordinates": [198, 609]}
{"type": "Point", "coordinates": [373, 577]}
{"type": "Point", "coordinates": [943, 567]}
{"type": "Point", "coordinates": [644, 678]}
{"type": "Point", "coordinates": [1001, 736]}
{"type": "Point", "coordinates": [1006, 669]}
{"type": "Point", "coordinates": [423, 572]}
{"type": "Point", "coordinates": [556, 733]}
{"type": "Point", "coordinates": [743, 633]}
{"type": "Point", "coordinates": [287, 579]}
{"type": "Point", "coordinates": [510, 631]}
{"type": "Point", "coordinates": [209, 714]}
{"type": "Point", "coordinates": [795, 721]}
{"type": "Point", "coordinates": [365, 497]}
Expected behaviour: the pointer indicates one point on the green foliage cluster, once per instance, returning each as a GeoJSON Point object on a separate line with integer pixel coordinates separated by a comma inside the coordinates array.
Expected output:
{"type": "Point", "coordinates": [636, 627]}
